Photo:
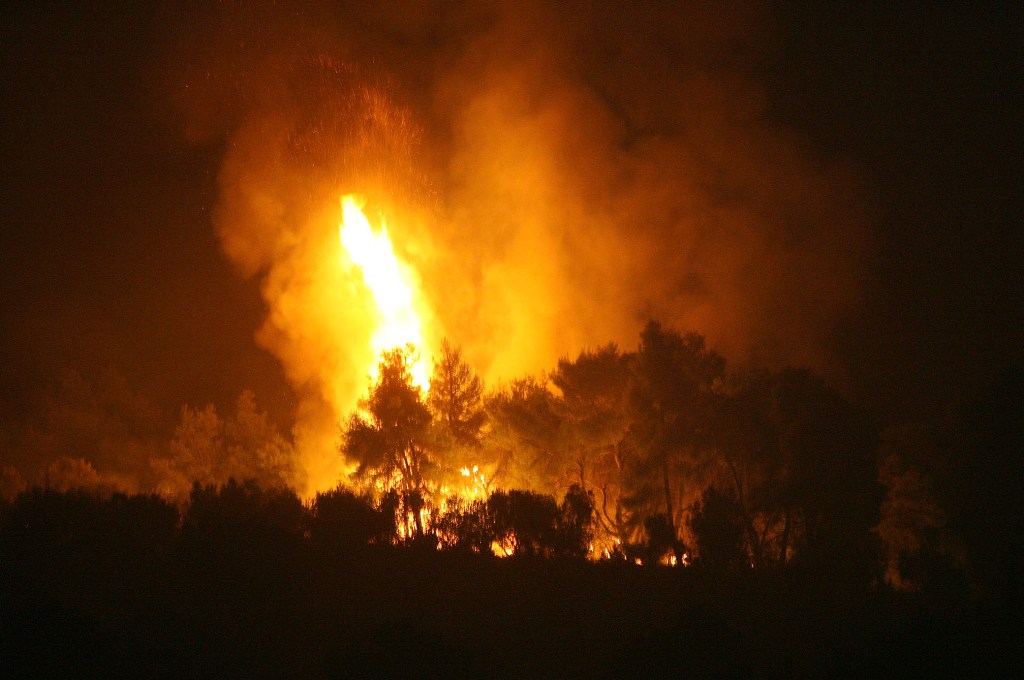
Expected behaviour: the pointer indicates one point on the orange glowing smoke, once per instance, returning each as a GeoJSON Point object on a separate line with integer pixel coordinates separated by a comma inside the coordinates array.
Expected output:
{"type": "Point", "coordinates": [399, 308]}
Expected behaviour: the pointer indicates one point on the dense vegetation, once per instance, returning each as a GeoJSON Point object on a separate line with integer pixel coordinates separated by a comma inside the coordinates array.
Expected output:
{"type": "Point", "coordinates": [250, 581]}
{"type": "Point", "coordinates": [684, 460]}
{"type": "Point", "coordinates": [631, 513]}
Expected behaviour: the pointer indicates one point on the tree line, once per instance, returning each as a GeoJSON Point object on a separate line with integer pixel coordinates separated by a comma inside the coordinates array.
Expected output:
{"type": "Point", "coordinates": [680, 459]}
{"type": "Point", "coordinates": [786, 501]}
{"type": "Point", "coordinates": [248, 580]}
{"type": "Point", "coordinates": [686, 461]}
{"type": "Point", "coordinates": [661, 454]}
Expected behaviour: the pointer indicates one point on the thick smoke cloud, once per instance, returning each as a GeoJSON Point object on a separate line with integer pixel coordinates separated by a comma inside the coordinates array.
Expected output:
{"type": "Point", "coordinates": [622, 167]}
{"type": "Point", "coordinates": [557, 173]}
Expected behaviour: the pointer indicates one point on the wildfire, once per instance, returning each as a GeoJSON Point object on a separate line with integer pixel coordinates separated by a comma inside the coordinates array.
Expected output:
{"type": "Point", "coordinates": [398, 303]}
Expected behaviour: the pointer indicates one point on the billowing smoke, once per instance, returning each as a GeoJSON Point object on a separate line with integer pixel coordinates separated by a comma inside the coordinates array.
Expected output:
{"type": "Point", "coordinates": [557, 173]}
{"type": "Point", "coordinates": [613, 165]}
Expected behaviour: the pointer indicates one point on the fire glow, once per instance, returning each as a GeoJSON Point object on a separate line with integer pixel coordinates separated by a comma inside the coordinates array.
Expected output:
{"type": "Point", "coordinates": [398, 305]}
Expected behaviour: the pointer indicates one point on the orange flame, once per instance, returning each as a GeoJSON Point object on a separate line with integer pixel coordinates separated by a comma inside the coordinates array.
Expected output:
{"type": "Point", "coordinates": [399, 306]}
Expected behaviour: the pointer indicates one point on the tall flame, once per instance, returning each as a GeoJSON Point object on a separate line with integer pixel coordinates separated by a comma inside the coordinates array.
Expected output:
{"type": "Point", "coordinates": [394, 286]}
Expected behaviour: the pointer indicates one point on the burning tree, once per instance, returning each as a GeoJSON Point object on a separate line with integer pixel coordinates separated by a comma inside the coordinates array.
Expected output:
{"type": "Point", "coordinates": [396, 308]}
{"type": "Point", "coordinates": [591, 406]}
{"type": "Point", "coordinates": [525, 437]}
{"type": "Point", "coordinates": [455, 401]}
{"type": "Point", "coordinates": [388, 436]}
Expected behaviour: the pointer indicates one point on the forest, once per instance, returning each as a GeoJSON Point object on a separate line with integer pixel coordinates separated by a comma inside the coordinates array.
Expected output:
{"type": "Point", "coordinates": [513, 339]}
{"type": "Point", "coordinates": [645, 513]}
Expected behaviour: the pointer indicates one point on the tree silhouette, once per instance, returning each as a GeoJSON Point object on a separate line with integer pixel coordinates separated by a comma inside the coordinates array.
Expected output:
{"type": "Point", "coordinates": [525, 439]}
{"type": "Point", "coordinates": [466, 526]}
{"type": "Point", "coordinates": [456, 397]}
{"type": "Point", "coordinates": [342, 518]}
{"type": "Point", "coordinates": [254, 446]}
{"type": "Point", "coordinates": [831, 493]}
{"type": "Point", "coordinates": [243, 510]}
{"type": "Point", "coordinates": [197, 452]}
{"type": "Point", "coordinates": [592, 407]}
{"type": "Point", "coordinates": [660, 539]}
{"type": "Point", "coordinates": [524, 522]}
{"type": "Point", "coordinates": [456, 404]}
{"type": "Point", "coordinates": [716, 523]}
{"type": "Point", "coordinates": [209, 449]}
{"type": "Point", "coordinates": [576, 523]}
{"type": "Point", "coordinates": [746, 443]}
{"type": "Point", "coordinates": [670, 404]}
{"type": "Point", "coordinates": [388, 437]}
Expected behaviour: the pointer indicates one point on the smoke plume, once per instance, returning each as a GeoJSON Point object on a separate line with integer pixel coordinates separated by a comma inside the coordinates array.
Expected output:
{"type": "Point", "coordinates": [557, 173]}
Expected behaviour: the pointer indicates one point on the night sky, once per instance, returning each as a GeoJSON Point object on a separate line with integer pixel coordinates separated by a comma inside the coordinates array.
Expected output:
{"type": "Point", "coordinates": [110, 261]}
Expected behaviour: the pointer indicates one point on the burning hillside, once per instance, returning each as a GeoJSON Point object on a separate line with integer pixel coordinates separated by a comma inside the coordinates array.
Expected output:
{"type": "Point", "coordinates": [535, 204]}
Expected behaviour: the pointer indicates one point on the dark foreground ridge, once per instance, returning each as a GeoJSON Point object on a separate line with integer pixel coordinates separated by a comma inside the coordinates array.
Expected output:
{"type": "Point", "coordinates": [121, 587]}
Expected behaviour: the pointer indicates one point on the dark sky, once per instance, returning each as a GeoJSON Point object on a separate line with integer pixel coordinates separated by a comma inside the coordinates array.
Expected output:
{"type": "Point", "coordinates": [109, 261]}
{"type": "Point", "coordinates": [929, 101]}
{"type": "Point", "coordinates": [109, 258]}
